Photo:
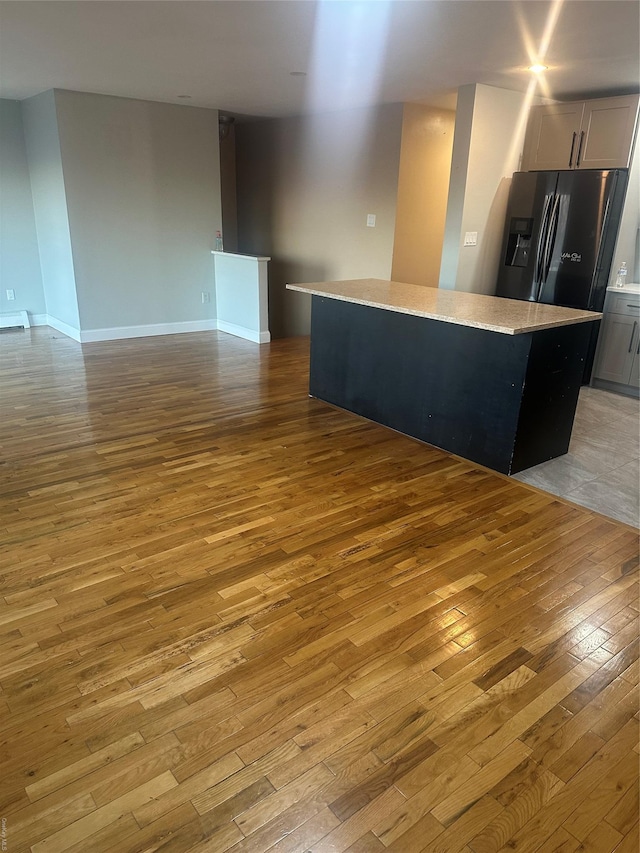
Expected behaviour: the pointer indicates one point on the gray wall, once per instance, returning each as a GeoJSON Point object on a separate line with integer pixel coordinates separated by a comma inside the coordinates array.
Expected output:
{"type": "Point", "coordinates": [19, 258]}
{"type": "Point", "coordinates": [142, 184]}
{"type": "Point", "coordinates": [305, 187]}
{"type": "Point", "coordinates": [50, 207]}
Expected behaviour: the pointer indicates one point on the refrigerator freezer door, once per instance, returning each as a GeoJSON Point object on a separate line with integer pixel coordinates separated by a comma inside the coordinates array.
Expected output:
{"type": "Point", "coordinates": [528, 213]}
{"type": "Point", "coordinates": [579, 246]}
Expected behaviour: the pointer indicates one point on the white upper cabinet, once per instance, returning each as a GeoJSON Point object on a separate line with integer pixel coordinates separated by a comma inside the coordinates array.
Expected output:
{"type": "Point", "coordinates": [595, 134]}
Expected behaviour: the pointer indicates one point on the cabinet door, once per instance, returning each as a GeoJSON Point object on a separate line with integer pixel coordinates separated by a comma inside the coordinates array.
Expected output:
{"type": "Point", "coordinates": [606, 134]}
{"type": "Point", "coordinates": [616, 348]}
{"type": "Point", "coordinates": [634, 378]}
{"type": "Point", "coordinates": [552, 137]}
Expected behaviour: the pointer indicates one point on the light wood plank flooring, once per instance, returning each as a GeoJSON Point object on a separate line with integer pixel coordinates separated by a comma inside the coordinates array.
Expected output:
{"type": "Point", "coordinates": [236, 619]}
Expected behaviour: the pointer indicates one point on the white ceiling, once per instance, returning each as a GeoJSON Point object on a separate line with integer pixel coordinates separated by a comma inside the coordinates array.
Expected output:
{"type": "Point", "coordinates": [238, 55]}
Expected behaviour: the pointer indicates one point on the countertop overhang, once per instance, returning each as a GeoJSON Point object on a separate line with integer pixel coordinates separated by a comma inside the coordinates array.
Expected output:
{"type": "Point", "coordinates": [492, 313]}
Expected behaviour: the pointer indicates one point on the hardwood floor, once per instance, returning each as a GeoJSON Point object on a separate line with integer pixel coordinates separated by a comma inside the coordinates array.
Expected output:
{"type": "Point", "coordinates": [236, 619]}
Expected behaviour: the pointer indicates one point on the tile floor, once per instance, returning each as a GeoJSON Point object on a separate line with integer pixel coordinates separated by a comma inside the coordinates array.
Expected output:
{"type": "Point", "coordinates": [602, 468]}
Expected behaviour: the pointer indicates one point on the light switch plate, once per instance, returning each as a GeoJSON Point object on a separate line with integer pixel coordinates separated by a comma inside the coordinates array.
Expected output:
{"type": "Point", "coordinates": [471, 238]}
{"type": "Point", "coordinates": [371, 220]}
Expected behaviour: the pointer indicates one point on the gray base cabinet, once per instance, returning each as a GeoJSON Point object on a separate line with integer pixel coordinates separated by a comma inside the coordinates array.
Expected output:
{"type": "Point", "coordinates": [595, 134]}
{"type": "Point", "coordinates": [618, 354]}
{"type": "Point", "coordinates": [634, 378]}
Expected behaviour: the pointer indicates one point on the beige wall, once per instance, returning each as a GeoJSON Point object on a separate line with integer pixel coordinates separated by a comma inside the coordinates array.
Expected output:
{"type": "Point", "coordinates": [490, 125]}
{"type": "Point", "coordinates": [305, 187]}
{"type": "Point", "coordinates": [423, 184]}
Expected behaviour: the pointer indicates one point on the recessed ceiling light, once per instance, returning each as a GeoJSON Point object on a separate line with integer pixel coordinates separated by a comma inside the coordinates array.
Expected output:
{"type": "Point", "coordinates": [537, 69]}
{"type": "Point", "coordinates": [185, 97]}
{"type": "Point", "coordinates": [298, 73]}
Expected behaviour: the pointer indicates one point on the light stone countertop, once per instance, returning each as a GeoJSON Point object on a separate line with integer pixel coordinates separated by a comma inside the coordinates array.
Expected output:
{"type": "Point", "coordinates": [628, 288]}
{"type": "Point", "coordinates": [493, 313]}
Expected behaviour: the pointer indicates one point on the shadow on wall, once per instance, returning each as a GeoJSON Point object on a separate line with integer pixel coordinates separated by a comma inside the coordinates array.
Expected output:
{"type": "Point", "coordinates": [303, 193]}
{"type": "Point", "coordinates": [228, 193]}
{"type": "Point", "coordinates": [290, 312]}
{"type": "Point", "coordinates": [259, 175]}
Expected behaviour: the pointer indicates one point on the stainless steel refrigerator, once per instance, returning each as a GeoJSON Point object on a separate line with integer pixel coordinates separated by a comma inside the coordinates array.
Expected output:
{"type": "Point", "coordinates": [560, 235]}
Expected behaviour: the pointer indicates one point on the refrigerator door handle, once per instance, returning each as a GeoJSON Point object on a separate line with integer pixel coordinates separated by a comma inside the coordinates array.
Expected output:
{"type": "Point", "coordinates": [548, 248]}
{"type": "Point", "coordinates": [573, 145]}
{"type": "Point", "coordinates": [605, 221]}
{"type": "Point", "coordinates": [538, 266]}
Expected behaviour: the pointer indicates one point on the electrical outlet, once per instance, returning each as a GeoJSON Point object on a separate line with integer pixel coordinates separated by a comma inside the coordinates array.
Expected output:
{"type": "Point", "coordinates": [371, 220]}
{"type": "Point", "coordinates": [206, 298]}
{"type": "Point", "coordinates": [11, 295]}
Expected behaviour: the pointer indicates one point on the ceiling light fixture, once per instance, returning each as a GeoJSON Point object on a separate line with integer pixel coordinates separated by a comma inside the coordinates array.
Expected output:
{"type": "Point", "coordinates": [537, 69]}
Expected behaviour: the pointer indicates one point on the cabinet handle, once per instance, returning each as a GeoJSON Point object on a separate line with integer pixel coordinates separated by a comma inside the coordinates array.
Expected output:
{"type": "Point", "coordinates": [580, 148]}
{"type": "Point", "coordinates": [633, 331]}
{"type": "Point", "coordinates": [632, 306]}
{"type": "Point", "coordinates": [573, 145]}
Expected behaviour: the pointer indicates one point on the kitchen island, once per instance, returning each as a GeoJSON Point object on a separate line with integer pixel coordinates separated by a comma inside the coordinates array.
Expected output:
{"type": "Point", "coordinates": [492, 380]}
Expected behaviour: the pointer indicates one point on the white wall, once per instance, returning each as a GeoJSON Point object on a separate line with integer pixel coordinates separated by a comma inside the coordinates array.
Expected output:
{"type": "Point", "coordinates": [305, 187]}
{"type": "Point", "coordinates": [19, 258]}
{"type": "Point", "coordinates": [50, 208]}
{"type": "Point", "coordinates": [490, 126]}
{"type": "Point", "coordinates": [628, 244]}
{"type": "Point", "coordinates": [142, 184]}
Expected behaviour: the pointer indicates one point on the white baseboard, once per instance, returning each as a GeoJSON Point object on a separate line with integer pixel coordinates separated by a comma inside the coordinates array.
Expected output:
{"type": "Point", "coordinates": [58, 325]}
{"type": "Point", "coordinates": [243, 332]}
{"type": "Point", "coordinates": [65, 328]}
{"type": "Point", "coordinates": [120, 332]}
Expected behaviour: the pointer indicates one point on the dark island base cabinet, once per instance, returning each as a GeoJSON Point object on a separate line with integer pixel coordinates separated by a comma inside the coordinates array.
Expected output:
{"type": "Point", "coordinates": [503, 401]}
